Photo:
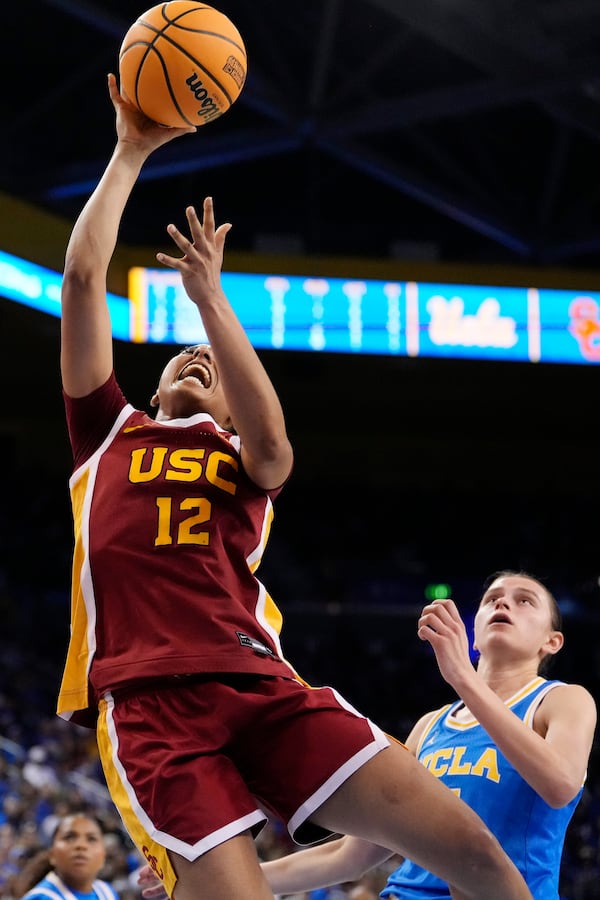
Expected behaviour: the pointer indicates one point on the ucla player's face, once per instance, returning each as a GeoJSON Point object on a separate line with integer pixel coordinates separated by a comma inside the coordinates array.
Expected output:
{"type": "Point", "coordinates": [514, 614]}
{"type": "Point", "coordinates": [190, 384]}
{"type": "Point", "coordinates": [78, 851]}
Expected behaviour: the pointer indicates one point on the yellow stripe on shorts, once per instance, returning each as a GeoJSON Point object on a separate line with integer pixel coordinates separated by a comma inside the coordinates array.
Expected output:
{"type": "Point", "coordinates": [123, 796]}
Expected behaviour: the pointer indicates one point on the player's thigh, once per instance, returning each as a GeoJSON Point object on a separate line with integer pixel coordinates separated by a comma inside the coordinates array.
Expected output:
{"type": "Point", "coordinates": [308, 742]}
{"type": "Point", "coordinates": [394, 801]}
{"type": "Point", "coordinates": [230, 870]}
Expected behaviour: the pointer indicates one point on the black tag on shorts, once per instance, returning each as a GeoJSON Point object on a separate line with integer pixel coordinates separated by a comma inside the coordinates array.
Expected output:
{"type": "Point", "coordinates": [246, 641]}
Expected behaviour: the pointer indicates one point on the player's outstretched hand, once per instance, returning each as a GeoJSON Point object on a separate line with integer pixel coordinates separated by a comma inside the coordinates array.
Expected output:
{"type": "Point", "coordinates": [200, 265]}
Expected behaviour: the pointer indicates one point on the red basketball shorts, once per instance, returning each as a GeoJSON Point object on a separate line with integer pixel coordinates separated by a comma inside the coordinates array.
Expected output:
{"type": "Point", "coordinates": [193, 762]}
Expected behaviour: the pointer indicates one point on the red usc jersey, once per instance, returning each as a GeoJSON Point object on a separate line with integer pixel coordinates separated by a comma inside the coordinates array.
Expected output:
{"type": "Point", "coordinates": [169, 531]}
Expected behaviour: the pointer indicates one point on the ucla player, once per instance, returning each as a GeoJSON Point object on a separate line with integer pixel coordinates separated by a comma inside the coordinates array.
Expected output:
{"type": "Point", "coordinates": [515, 746]}
{"type": "Point", "coordinates": [69, 868]}
{"type": "Point", "coordinates": [203, 727]}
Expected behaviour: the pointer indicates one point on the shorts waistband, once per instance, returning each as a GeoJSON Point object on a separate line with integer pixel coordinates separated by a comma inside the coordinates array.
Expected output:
{"type": "Point", "coordinates": [184, 680]}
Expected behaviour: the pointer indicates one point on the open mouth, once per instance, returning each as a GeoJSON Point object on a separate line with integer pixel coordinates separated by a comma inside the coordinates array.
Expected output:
{"type": "Point", "coordinates": [500, 619]}
{"type": "Point", "coordinates": [198, 371]}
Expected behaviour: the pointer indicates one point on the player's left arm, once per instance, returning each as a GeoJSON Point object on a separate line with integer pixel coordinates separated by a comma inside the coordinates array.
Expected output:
{"type": "Point", "coordinates": [566, 719]}
{"type": "Point", "coordinates": [252, 401]}
{"type": "Point", "coordinates": [553, 755]}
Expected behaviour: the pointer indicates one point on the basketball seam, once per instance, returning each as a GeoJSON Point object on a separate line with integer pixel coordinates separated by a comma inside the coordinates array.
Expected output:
{"type": "Point", "coordinates": [188, 28]}
{"type": "Point", "coordinates": [151, 46]}
{"type": "Point", "coordinates": [167, 83]}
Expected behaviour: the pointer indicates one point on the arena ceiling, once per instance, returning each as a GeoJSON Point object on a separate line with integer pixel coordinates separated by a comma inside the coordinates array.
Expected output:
{"type": "Point", "coordinates": [462, 130]}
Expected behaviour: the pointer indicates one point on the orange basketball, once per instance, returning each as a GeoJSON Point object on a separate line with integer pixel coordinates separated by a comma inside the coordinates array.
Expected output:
{"type": "Point", "coordinates": [182, 63]}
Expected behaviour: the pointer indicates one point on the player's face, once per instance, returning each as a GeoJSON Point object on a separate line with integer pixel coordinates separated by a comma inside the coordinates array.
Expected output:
{"type": "Point", "coordinates": [190, 384]}
{"type": "Point", "coordinates": [515, 618]}
{"type": "Point", "coordinates": [78, 852]}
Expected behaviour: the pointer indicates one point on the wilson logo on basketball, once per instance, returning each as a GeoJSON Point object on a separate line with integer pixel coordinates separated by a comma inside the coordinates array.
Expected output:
{"type": "Point", "coordinates": [208, 108]}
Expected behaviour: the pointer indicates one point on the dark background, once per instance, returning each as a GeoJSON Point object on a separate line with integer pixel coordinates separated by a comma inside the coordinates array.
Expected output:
{"type": "Point", "coordinates": [412, 134]}
{"type": "Point", "coordinates": [446, 129]}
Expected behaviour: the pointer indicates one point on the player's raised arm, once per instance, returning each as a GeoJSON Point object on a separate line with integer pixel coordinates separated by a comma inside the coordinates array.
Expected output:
{"type": "Point", "coordinates": [251, 400]}
{"type": "Point", "coordinates": [86, 334]}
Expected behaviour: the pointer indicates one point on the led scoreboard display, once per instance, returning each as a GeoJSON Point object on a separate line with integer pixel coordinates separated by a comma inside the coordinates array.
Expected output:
{"type": "Point", "coordinates": [341, 315]}
{"type": "Point", "coordinates": [381, 317]}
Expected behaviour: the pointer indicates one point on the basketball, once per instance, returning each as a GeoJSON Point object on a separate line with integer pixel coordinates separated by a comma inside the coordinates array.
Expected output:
{"type": "Point", "coordinates": [182, 63]}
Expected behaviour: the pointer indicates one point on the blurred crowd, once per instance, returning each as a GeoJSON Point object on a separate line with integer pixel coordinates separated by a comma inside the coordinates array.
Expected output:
{"type": "Point", "coordinates": [48, 768]}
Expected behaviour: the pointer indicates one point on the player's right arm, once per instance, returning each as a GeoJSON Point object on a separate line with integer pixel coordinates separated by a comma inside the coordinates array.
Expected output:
{"type": "Point", "coordinates": [335, 862]}
{"type": "Point", "coordinates": [86, 333]}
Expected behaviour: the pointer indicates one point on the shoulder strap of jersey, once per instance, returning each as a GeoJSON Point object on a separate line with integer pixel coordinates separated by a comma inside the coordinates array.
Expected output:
{"type": "Point", "coordinates": [43, 892]}
{"type": "Point", "coordinates": [103, 890]}
{"type": "Point", "coordinates": [531, 709]}
{"type": "Point", "coordinates": [433, 720]}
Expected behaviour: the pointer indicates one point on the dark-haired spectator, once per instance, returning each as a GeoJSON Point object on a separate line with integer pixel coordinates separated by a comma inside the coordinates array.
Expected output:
{"type": "Point", "coordinates": [70, 866]}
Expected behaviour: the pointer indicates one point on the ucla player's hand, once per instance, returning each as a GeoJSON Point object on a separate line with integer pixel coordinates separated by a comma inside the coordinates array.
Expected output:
{"type": "Point", "coordinates": [440, 624]}
{"type": "Point", "coordinates": [150, 885]}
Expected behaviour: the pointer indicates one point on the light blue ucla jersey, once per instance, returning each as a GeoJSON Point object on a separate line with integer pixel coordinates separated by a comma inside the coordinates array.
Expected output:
{"type": "Point", "coordinates": [53, 888]}
{"type": "Point", "coordinates": [463, 756]}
